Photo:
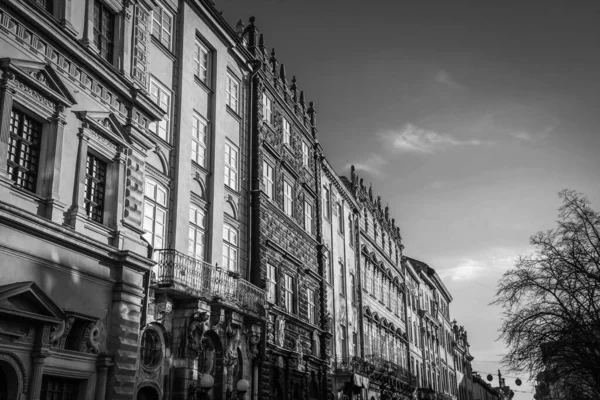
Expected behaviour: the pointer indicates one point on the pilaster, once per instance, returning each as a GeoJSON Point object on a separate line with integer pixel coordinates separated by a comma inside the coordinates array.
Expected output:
{"type": "Point", "coordinates": [76, 214]}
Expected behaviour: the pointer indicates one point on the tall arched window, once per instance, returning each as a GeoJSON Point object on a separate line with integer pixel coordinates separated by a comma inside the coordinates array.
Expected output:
{"type": "Point", "coordinates": [230, 248]}
{"type": "Point", "coordinates": [155, 213]}
{"type": "Point", "coordinates": [197, 232]}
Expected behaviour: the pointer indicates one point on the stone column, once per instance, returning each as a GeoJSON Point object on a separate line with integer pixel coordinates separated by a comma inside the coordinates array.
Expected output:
{"type": "Point", "coordinates": [6, 103]}
{"type": "Point", "coordinates": [51, 158]}
{"type": "Point", "coordinates": [103, 363]}
{"type": "Point", "coordinates": [35, 387]}
{"type": "Point", "coordinates": [76, 211]}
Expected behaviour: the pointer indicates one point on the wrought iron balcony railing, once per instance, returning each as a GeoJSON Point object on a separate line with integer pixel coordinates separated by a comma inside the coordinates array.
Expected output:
{"type": "Point", "coordinates": [186, 274]}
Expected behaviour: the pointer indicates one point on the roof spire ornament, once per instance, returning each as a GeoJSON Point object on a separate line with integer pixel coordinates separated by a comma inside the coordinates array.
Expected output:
{"type": "Point", "coordinates": [294, 89]}
{"type": "Point", "coordinates": [261, 44]}
{"type": "Point", "coordinates": [371, 191]}
{"type": "Point", "coordinates": [273, 61]}
{"type": "Point", "coordinates": [282, 74]}
{"type": "Point", "coordinates": [387, 212]}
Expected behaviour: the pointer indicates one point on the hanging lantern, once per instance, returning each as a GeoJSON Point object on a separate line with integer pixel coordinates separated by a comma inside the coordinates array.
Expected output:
{"type": "Point", "coordinates": [490, 377]}
{"type": "Point", "coordinates": [518, 382]}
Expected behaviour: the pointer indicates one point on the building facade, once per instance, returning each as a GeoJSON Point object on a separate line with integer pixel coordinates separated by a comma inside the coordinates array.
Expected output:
{"type": "Point", "coordinates": [382, 286]}
{"type": "Point", "coordinates": [124, 195]}
{"type": "Point", "coordinates": [339, 217]}
{"type": "Point", "coordinates": [288, 255]}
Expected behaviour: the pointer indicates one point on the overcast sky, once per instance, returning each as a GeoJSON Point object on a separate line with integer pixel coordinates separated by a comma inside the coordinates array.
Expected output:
{"type": "Point", "coordinates": [468, 119]}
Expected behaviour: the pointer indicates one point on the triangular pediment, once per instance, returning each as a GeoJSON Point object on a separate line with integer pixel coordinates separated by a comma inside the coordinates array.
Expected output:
{"type": "Point", "coordinates": [107, 124]}
{"type": "Point", "coordinates": [28, 300]}
{"type": "Point", "coordinates": [43, 76]}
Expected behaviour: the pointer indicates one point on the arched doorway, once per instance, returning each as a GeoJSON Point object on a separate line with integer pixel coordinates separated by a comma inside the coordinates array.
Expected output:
{"type": "Point", "coordinates": [147, 393]}
{"type": "Point", "coordinates": [9, 382]}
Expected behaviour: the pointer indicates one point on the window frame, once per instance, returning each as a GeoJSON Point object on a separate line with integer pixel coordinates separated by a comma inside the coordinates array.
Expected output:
{"type": "Point", "coordinates": [98, 36]}
{"type": "Point", "coordinates": [155, 127]}
{"type": "Point", "coordinates": [268, 182]}
{"type": "Point", "coordinates": [341, 220]}
{"type": "Point", "coordinates": [231, 168]}
{"type": "Point", "coordinates": [162, 207]}
{"type": "Point", "coordinates": [230, 247]}
{"type": "Point", "coordinates": [305, 155]}
{"type": "Point", "coordinates": [202, 52]}
{"type": "Point", "coordinates": [343, 290]}
{"type": "Point", "coordinates": [288, 293]}
{"type": "Point", "coordinates": [233, 102]}
{"type": "Point", "coordinates": [271, 283]}
{"type": "Point", "coordinates": [94, 207]}
{"type": "Point", "coordinates": [287, 132]}
{"type": "Point", "coordinates": [311, 306]}
{"type": "Point", "coordinates": [18, 146]}
{"type": "Point", "coordinates": [327, 202]}
{"type": "Point", "coordinates": [288, 198]}
{"type": "Point", "coordinates": [267, 106]}
{"type": "Point", "coordinates": [197, 229]}
{"type": "Point", "coordinates": [163, 11]}
{"type": "Point", "coordinates": [308, 217]}
{"type": "Point", "coordinates": [198, 122]}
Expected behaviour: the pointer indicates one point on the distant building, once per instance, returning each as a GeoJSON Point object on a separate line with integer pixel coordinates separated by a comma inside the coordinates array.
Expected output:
{"type": "Point", "coordinates": [484, 391]}
{"type": "Point", "coordinates": [382, 290]}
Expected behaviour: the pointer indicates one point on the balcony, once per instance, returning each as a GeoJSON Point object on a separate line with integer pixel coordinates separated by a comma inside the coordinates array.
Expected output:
{"type": "Point", "coordinates": [186, 276]}
{"type": "Point", "coordinates": [385, 369]}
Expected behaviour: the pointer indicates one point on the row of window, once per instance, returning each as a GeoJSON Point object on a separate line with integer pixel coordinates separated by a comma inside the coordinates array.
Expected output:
{"type": "Point", "coordinates": [288, 197]}
{"type": "Point", "coordinates": [23, 164]}
{"type": "Point", "coordinates": [328, 209]}
{"type": "Point", "coordinates": [381, 343]}
{"type": "Point", "coordinates": [380, 286]}
{"type": "Point", "coordinates": [267, 117]}
{"type": "Point", "coordinates": [386, 241]}
{"type": "Point", "coordinates": [282, 290]}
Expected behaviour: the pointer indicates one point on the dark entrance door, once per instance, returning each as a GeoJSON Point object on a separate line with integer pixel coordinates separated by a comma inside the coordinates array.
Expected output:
{"type": "Point", "coordinates": [147, 393]}
{"type": "Point", "coordinates": [9, 382]}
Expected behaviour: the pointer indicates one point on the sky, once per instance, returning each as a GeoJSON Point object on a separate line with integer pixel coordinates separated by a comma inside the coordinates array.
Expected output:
{"type": "Point", "coordinates": [468, 117]}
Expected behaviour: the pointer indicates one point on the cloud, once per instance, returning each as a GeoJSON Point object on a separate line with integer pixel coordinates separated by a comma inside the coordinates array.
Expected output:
{"type": "Point", "coordinates": [412, 139]}
{"type": "Point", "coordinates": [372, 163]}
{"type": "Point", "coordinates": [528, 136]}
{"type": "Point", "coordinates": [444, 78]}
{"type": "Point", "coordinates": [494, 261]}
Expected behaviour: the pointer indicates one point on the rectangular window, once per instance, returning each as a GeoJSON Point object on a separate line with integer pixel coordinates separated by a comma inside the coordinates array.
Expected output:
{"type": "Point", "coordinates": [162, 25]}
{"type": "Point", "coordinates": [328, 272]}
{"type": "Point", "coordinates": [162, 97]}
{"type": "Point", "coordinates": [23, 150]}
{"type": "Point", "coordinates": [232, 92]}
{"type": "Point", "coordinates": [104, 30]}
{"type": "Point", "coordinates": [197, 232]}
{"type": "Point", "coordinates": [308, 218]}
{"type": "Point", "coordinates": [344, 341]}
{"type": "Point", "coordinates": [271, 283]}
{"type": "Point", "coordinates": [355, 344]}
{"type": "Point", "coordinates": [230, 248]}
{"type": "Point", "coordinates": [312, 306]}
{"type": "Point", "coordinates": [268, 179]}
{"type": "Point", "coordinates": [288, 199]}
{"type": "Point", "coordinates": [95, 185]}
{"type": "Point", "coordinates": [267, 105]}
{"type": "Point", "coordinates": [327, 202]}
{"type": "Point", "coordinates": [231, 166]}
{"type": "Point", "coordinates": [54, 387]}
{"type": "Point", "coordinates": [305, 155]}
{"type": "Point", "coordinates": [287, 132]}
{"type": "Point", "coordinates": [351, 230]}
{"type": "Point", "coordinates": [201, 61]}
{"type": "Point", "coordinates": [288, 292]}
{"type": "Point", "coordinates": [155, 213]}
{"type": "Point", "coordinates": [199, 131]}
{"type": "Point", "coordinates": [352, 287]}
{"type": "Point", "coordinates": [341, 217]}
{"type": "Point", "coordinates": [342, 279]}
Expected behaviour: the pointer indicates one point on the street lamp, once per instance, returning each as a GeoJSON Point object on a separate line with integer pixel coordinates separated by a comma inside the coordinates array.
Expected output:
{"type": "Point", "coordinates": [206, 383]}
{"type": "Point", "coordinates": [242, 386]}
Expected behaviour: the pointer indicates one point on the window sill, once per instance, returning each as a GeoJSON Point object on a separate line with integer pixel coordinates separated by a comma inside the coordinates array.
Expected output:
{"type": "Point", "coordinates": [233, 113]}
{"type": "Point", "coordinates": [163, 48]}
{"type": "Point", "coordinates": [203, 85]}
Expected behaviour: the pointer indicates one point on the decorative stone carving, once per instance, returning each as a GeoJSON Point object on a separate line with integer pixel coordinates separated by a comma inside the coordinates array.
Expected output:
{"type": "Point", "coordinates": [90, 342]}
{"type": "Point", "coordinates": [253, 342]}
{"type": "Point", "coordinates": [279, 331]}
{"type": "Point", "coordinates": [196, 331]}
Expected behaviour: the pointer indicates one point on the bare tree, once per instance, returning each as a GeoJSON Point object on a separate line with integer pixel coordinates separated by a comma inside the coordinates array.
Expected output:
{"type": "Point", "coordinates": [551, 303]}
